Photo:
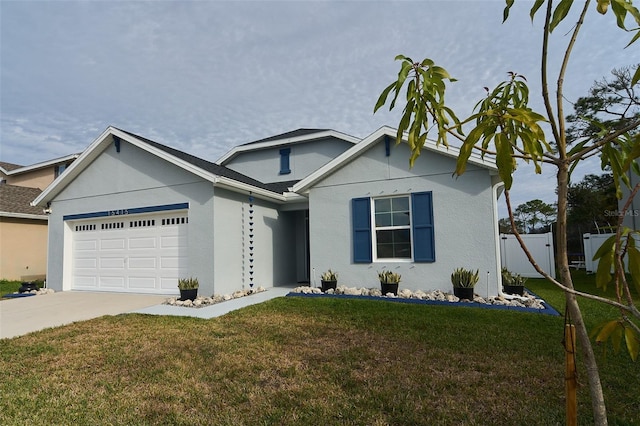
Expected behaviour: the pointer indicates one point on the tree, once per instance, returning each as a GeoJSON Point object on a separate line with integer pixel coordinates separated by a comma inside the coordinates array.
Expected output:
{"type": "Point", "coordinates": [611, 104]}
{"type": "Point", "coordinates": [504, 127]}
{"type": "Point", "coordinates": [592, 203]}
{"type": "Point", "coordinates": [535, 212]}
{"type": "Point", "coordinates": [505, 227]}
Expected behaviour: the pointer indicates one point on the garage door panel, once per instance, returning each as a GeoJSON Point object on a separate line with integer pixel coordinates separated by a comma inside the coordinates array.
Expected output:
{"type": "Point", "coordinates": [85, 282]}
{"type": "Point", "coordinates": [142, 263]}
{"type": "Point", "coordinates": [112, 244]}
{"type": "Point", "coordinates": [169, 283]}
{"type": "Point", "coordinates": [143, 242]}
{"type": "Point", "coordinates": [173, 241]}
{"type": "Point", "coordinates": [142, 283]}
{"type": "Point", "coordinates": [86, 263]}
{"type": "Point", "coordinates": [87, 245]}
{"type": "Point", "coordinates": [112, 263]}
{"type": "Point", "coordinates": [112, 282]}
{"type": "Point", "coordinates": [144, 253]}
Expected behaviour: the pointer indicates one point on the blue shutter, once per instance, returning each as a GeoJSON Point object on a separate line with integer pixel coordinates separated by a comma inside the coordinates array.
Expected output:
{"type": "Point", "coordinates": [361, 223]}
{"type": "Point", "coordinates": [424, 249]}
{"type": "Point", "coordinates": [284, 161]}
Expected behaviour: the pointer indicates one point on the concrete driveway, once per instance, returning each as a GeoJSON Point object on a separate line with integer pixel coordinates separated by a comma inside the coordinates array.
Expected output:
{"type": "Point", "coordinates": [27, 314]}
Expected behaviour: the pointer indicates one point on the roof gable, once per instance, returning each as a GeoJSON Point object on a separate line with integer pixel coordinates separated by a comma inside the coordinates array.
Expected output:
{"type": "Point", "coordinates": [217, 174]}
{"type": "Point", "coordinates": [284, 139]}
{"type": "Point", "coordinates": [367, 143]}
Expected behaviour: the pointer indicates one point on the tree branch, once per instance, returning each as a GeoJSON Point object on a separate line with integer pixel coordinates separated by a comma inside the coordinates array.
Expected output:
{"type": "Point", "coordinates": [631, 309]}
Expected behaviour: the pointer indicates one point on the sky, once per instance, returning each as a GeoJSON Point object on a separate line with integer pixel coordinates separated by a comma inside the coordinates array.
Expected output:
{"type": "Point", "coordinates": [204, 76]}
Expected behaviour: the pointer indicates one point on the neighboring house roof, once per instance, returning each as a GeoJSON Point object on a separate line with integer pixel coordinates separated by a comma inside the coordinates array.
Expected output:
{"type": "Point", "coordinates": [217, 174]}
{"type": "Point", "coordinates": [370, 141]}
{"type": "Point", "coordinates": [289, 138]}
{"type": "Point", "coordinates": [7, 167]}
{"type": "Point", "coordinates": [15, 201]}
{"type": "Point", "coordinates": [13, 169]}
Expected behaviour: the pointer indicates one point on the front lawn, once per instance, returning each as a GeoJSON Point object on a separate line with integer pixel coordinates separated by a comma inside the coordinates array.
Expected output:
{"type": "Point", "coordinates": [301, 360]}
{"type": "Point", "coordinates": [8, 287]}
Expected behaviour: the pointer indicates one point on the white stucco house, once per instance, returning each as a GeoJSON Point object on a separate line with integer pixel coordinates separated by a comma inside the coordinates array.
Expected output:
{"type": "Point", "coordinates": [132, 215]}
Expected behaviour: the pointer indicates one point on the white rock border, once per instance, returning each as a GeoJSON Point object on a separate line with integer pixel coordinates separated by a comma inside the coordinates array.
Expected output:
{"type": "Point", "coordinates": [38, 292]}
{"type": "Point", "coordinates": [526, 301]}
{"type": "Point", "coordinates": [203, 301]}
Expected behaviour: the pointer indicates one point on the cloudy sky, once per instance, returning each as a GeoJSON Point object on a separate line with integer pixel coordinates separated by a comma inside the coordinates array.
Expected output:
{"type": "Point", "coordinates": [203, 76]}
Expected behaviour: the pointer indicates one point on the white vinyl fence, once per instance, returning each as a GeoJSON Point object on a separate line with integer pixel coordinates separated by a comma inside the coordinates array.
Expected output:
{"type": "Point", "coordinates": [592, 243]}
{"type": "Point", "coordinates": [540, 246]}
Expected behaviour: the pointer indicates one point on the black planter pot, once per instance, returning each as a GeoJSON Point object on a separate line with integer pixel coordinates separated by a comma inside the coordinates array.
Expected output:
{"type": "Point", "coordinates": [27, 287]}
{"type": "Point", "coordinates": [189, 294]}
{"type": "Point", "coordinates": [326, 285]}
{"type": "Point", "coordinates": [514, 289]}
{"type": "Point", "coordinates": [463, 292]}
{"type": "Point", "coordinates": [389, 288]}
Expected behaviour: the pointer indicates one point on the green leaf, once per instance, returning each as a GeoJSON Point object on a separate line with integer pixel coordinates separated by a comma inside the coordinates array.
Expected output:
{"type": "Point", "coordinates": [602, 6]}
{"type": "Point", "coordinates": [383, 97]}
{"type": "Point", "coordinates": [616, 337]}
{"type": "Point", "coordinates": [605, 254]}
{"type": "Point", "coordinates": [560, 13]}
{"type": "Point", "coordinates": [606, 330]}
{"type": "Point", "coordinates": [632, 342]}
{"type": "Point", "coordinates": [535, 8]}
{"type": "Point", "coordinates": [636, 76]}
{"type": "Point", "coordinates": [504, 160]}
{"type": "Point", "coordinates": [634, 265]}
{"type": "Point", "coordinates": [505, 13]}
{"type": "Point", "coordinates": [620, 12]}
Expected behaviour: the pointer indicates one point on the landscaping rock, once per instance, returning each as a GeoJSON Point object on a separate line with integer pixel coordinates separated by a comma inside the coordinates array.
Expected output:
{"type": "Point", "coordinates": [202, 301]}
{"type": "Point", "coordinates": [526, 301]}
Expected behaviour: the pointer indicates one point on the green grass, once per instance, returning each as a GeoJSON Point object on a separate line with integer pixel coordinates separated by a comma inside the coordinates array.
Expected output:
{"type": "Point", "coordinates": [8, 287]}
{"type": "Point", "coordinates": [295, 360]}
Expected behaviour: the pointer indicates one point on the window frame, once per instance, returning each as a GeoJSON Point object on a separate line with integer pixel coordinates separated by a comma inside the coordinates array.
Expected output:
{"type": "Point", "coordinates": [375, 228]}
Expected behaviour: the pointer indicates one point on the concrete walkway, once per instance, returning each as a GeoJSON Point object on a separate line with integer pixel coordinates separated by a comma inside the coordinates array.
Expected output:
{"type": "Point", "coordinates": [27, 314]}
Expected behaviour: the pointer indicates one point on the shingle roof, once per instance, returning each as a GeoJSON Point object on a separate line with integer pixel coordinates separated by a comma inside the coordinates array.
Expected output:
{"type": "Point", "coordinates": [291, 134]}
{"type": "Point", "coordinates": [17, 199]}
{"type": "Point", "coordinates": [282, 187]}
{"type": "Point", "coordinates": [9, 166]}
{"type": "Point", "coordinates": [216, 169]}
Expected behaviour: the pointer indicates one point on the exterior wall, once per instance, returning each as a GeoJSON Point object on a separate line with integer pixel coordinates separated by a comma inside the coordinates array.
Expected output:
{"type": "Point", "coordinates": [40, 178]}
{"type": "Point", "coordinates": [130, 179]}
{"type": "Point", "coordinates": [23, 249]}
{"type": "Point", "coordinates": [273, 243]}
{"type": "Point", "coordinates": [463, 209]}
{"type": "Point", "coordinates": [264, 164]}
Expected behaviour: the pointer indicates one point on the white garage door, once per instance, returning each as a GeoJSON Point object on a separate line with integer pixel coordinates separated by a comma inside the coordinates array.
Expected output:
{"type": "Point", "coordinates": [133, 253]}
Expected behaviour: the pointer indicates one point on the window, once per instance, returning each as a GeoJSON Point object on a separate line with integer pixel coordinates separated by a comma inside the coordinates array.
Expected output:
{"type": "Point", "coordinates": [400, 228]}
{"type": "Point", "coordinates": [392, 222]}
{"type": "Point", "coordinates": [59, 169]}
{"type": "Point", "coordinates": [284, 161]}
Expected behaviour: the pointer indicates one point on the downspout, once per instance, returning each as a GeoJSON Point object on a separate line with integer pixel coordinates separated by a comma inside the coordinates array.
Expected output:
{"type": "Point", "coordinates": [496, 187]}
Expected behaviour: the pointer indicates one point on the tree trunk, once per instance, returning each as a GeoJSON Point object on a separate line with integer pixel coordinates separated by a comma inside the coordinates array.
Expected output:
{"type": "Point", "coordinates": [593, 376]}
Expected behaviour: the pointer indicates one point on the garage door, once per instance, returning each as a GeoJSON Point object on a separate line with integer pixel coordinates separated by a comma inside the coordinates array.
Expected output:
{"type": "Point", "coordinates": [133, 253]}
